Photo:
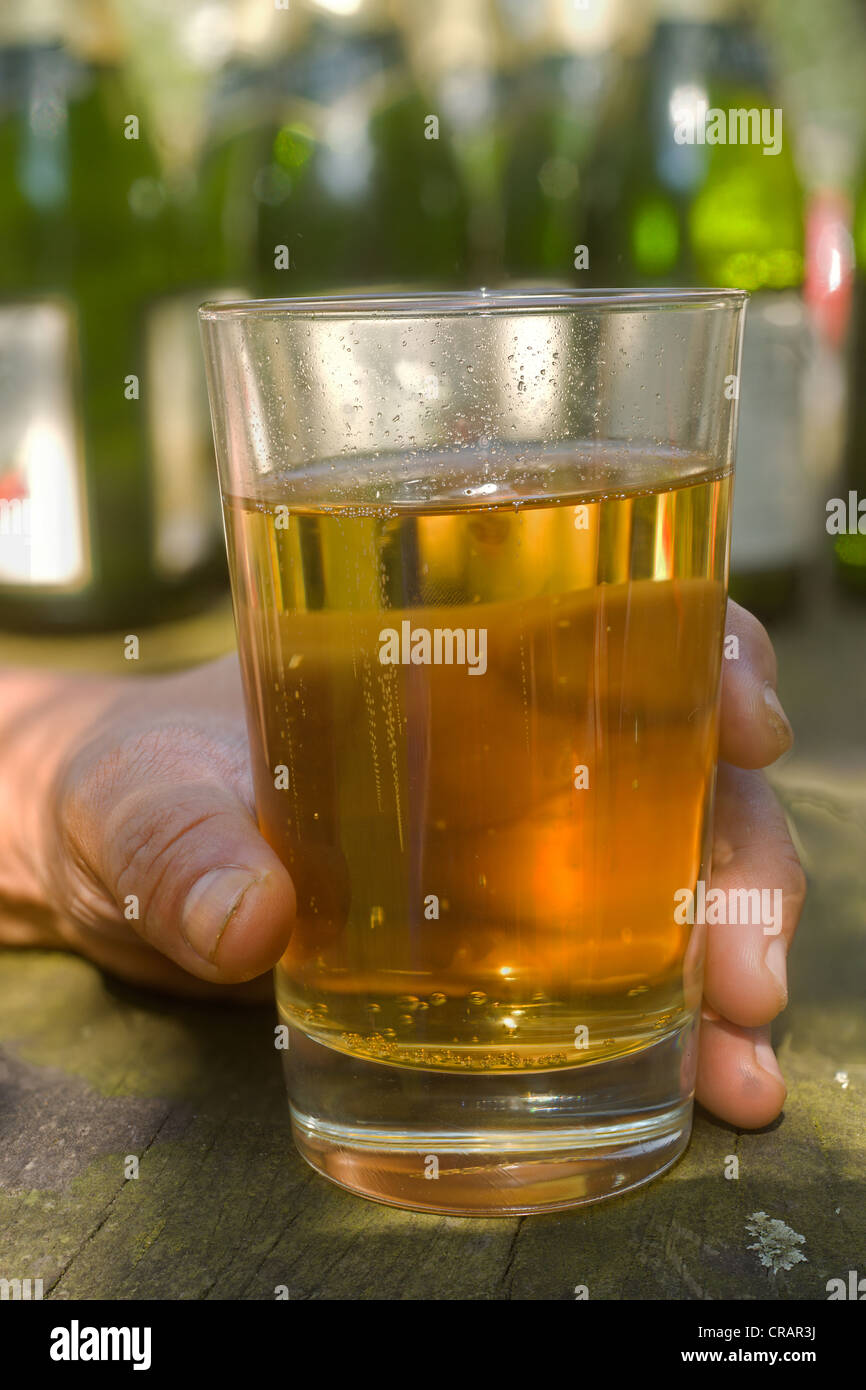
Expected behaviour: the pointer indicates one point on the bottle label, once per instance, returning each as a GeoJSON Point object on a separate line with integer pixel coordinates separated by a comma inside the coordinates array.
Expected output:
{"type": "Point", "coordinates": [43, 505]}
{"type": "Point", "coordinates": [187, 524]}
{"type": "Point", "coordinates": [772, 523]}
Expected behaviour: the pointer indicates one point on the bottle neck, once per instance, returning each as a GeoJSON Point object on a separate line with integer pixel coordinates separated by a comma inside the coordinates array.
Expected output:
{"type": "Point", "coordinates": [336, 60]}
{"type": "Point", "coordinates": [87, 28]}
{"type": "Point", "coordinates": [718, 51]}
{"type": "Point", "coordinates": [700, 11]}
{"type": "Point", "coordinates": [31, 23]}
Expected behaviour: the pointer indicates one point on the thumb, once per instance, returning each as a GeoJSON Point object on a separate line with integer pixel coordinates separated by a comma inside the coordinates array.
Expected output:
{"type": "Point", "coordinates": [169, 835]}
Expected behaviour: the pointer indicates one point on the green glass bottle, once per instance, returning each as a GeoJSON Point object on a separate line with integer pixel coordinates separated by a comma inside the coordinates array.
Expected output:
{"type": "Point", "coordinates": [556, 91]}
{"type": "Point", "coordinates": [355, 184]}
{"type": "Point", "coordinates": [456, 49]}
{"type": "Point", "coordinates": [696, 184]}
{"type": "Point", "coordinates": [850, 547]}
{"type": "Point", "coordinates": [96, 371]}
{"type": "Point", "coordinates": [242, 112]}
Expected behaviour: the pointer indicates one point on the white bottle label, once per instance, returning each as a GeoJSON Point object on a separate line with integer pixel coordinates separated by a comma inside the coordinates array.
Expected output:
{"type": "Point", "coordinates": [187, 517]}
{"type": "Point", "coordinates": [773, 511]}
{"type": "Point", "coordinates": [43, 507]}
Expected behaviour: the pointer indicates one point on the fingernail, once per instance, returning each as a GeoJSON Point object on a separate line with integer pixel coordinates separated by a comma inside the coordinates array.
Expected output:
{"type": "Point", "coordinates": [766, 1059]}
{"type": "Point", "coordinates": [210, 904]}
{"type": "Point", "coordinates": [777, 719]}
{"type": "Point", "coordinates": [776, 961]}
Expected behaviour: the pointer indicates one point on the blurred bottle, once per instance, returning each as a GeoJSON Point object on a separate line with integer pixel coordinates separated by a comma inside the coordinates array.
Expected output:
{"type": "Point", "coordinates": [850, 547]}
{"type": "Point", "coordinates": [355, 184]}
{"type": "Point", "coordinates": [564, 59]}
{"type": "Point", "coordinates": [241, 113]}
{"type": "Point", "coordinates": [675, 205]}
{"type": "Point", "coordinates": [105, 515]}
{"type": "Point", "coordinates": [455, 50]}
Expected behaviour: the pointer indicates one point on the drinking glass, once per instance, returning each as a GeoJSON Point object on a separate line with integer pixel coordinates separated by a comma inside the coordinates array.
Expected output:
{"type": "Point", "coordinates": [479, 554]}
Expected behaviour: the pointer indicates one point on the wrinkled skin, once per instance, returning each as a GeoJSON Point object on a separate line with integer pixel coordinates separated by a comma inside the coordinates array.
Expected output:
{"type": "Point", "coordinates": [109, 783]}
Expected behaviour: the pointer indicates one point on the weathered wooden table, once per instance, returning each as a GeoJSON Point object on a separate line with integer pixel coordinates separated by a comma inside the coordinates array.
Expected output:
{"type": "Point", "coordinates": [92, 1071]}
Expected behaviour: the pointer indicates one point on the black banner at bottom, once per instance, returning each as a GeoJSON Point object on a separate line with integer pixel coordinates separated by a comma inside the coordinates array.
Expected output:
{"type": "Point", "coordinates": [62, 1338]}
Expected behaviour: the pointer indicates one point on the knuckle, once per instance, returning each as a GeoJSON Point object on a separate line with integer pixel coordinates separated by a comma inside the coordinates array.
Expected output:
{"type": "Point", "coordinates": [128, 805]}
{"type": "Point", "coordinates": [147, 838]}
{"type": "Point", "coordinates": [111, 767]}
{"type": "Point", "coordinates": [758, 649]}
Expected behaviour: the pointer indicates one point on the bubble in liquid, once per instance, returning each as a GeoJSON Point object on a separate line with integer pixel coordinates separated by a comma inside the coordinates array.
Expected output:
{"type": "Point", "coordinates": [477, 996]}
{"type": "Point", "coordinates": [436, 999]}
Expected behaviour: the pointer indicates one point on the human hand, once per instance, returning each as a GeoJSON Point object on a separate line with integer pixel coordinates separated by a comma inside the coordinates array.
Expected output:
{"type": "Point", "coordinates": [745, 974]}
{"type": "Point", "coordinates": [147, 791]}
{"type": "Point", "coordinates": [115, 787]}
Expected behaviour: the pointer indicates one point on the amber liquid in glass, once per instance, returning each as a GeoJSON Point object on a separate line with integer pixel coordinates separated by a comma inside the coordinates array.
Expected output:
{"type": "Point", "coordinates": [485, 860]}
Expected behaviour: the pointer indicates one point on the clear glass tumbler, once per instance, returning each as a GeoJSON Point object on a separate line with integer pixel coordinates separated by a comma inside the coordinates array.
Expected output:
{"type": "Point", "coordinates": [479, 554]}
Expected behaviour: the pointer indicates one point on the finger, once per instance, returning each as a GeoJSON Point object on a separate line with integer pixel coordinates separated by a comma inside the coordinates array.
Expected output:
{"type": "Point", "coordinates": [745, 975]}
{"type": "Point", "coordinates": [738, 1076]}
{"type": "Point", "coordinates": [164, 828]}
{"type": "Point", "coordinates": [212, 894]}
{"type": "Point", "coordinates": [753, 729]}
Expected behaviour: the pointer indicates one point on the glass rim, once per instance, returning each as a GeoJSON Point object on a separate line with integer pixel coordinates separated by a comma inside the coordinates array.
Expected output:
{"type": "Point", "coordinates": [438, 304]}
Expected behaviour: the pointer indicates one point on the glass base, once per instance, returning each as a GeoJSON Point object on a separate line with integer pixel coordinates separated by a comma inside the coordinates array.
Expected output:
{"type": "Point", "coordinates": [494, 1143]}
